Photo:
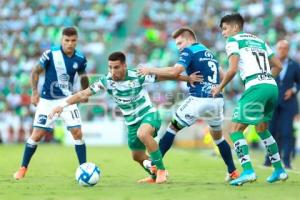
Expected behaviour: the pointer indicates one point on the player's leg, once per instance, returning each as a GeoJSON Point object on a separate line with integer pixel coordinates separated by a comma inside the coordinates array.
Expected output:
{"type": "Point", "coordinates": [41, 125]}
{"type": "Point", "coordinates": [72, 119]}
{"type": "Point", "coordinates": [80, 147]}
{"type": "Point", "coordinates": [267, 138]}
{"type": "Point", "coordinates": [30, 148]}
{"type": "Point", "coordinates": [145, 134]}
{"type": "Point", "coordinates": [272, 149]}
{"type": "Point", "coordinates": [181, 119]}
{"type": "Point", "coordinates": [167, 139]}
{"type": "Point", "coordinates": [215, 119]}
{"type": "Point", "coordinates": [242, 150]}
{"type": "Point", "coordinates": [140, 156]}
{"type": "Point", "coordinates": [225, 151]}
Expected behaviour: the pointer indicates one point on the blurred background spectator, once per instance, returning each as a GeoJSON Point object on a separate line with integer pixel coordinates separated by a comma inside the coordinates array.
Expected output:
{"type": "Point", "coordinates": [141, 29]}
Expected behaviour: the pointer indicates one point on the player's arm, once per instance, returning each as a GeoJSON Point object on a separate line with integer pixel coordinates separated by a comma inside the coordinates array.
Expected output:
{"type": "Point", "coordinates": [168, 73]}
{"type": "Point", "coordinates": [276, 66]}
{"type": "Point", "coordinates": [233, 68]}
{"type": "Point", "coordinates": [35, 75]}
{"type": "Point", "coordinates": [84, 80]}
{"type": "Point", "coordinates": [222, 73]}
{"type": "Point", "coordinates": [193, 78]}
{"type": "Point", "coordinates": [80, 96]}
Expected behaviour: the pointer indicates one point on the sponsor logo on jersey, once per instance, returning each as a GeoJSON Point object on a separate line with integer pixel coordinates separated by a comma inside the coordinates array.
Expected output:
{"type": "Point", "coordinates": [64, 77]}
{"type": "Point", "coordinates": [208, 54]}
{"type": "Point", "coordinates": [42, 119]}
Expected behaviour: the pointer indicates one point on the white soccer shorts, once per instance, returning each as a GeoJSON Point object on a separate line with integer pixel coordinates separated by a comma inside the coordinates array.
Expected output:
{"type": "Point", "coordinates": [194, 108]}
{"type": "Point", "coordinates": [70, 115]}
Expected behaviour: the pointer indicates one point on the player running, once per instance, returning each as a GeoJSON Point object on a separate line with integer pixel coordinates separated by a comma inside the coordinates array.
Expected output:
{"type": "Point", "coordinates": [142, 119]}
{"type": "Point", "coordinates": [60, 64]}
{"type": "Point", "coordinates": [252, 57]}
{"type": "Point", "coordinates": [200, 104]}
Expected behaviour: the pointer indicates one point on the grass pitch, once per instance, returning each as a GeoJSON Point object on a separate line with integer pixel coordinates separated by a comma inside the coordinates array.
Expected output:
{"type": "Point", "coordinates": [194, 174]}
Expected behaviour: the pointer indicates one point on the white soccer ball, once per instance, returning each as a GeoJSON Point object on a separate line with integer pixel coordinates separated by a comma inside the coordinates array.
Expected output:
{"type": "Point", "coordinates": [87, 174]}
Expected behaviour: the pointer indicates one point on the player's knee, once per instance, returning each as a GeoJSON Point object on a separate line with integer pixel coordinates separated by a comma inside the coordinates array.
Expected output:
{"type": "Point", "coordinates": [175, 125]}
{"type": "Point", "coordinates": [143, 135]}
{"type": "Point", "coordinates": [261, 127]}
{"type": "Point", "coordinates": [216, 128]}
{"type": "Point", "coordinates": [77, 134]}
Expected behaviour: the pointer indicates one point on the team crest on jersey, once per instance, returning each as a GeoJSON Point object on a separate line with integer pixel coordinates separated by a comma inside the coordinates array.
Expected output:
{"type": "Point", "coordinates": [75, 65]}
{"type": "Point", "coordinates": [131, 84]}
{"type": "Point", "coordinates": [64, 77]}
{"type": "Point", "coordinates": [208, 54]}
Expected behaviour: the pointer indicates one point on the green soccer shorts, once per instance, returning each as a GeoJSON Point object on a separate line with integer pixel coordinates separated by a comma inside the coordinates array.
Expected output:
{"type": "Point", "coordinates": [256, 105]}
{"type": "Point", "coordinates": [134, 142]}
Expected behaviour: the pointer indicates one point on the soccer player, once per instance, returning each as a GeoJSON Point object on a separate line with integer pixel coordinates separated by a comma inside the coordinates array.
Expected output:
{"type": "Point", "coordinates": [142, 119]}
{"type": "Point", "coordinates": [252, 57]}
{"type": "Point", "coordinates": [60, 64]}
{"type": "Point", "coordinates": [200, 104]}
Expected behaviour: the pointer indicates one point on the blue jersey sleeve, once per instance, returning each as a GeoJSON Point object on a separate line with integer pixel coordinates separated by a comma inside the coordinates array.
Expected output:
{"type": "Point", "coordinates": [82, 67]}
{"type": "Point", "coordinates": [45, 59]}
{"type": "Point", "coordinates": [185, 57]}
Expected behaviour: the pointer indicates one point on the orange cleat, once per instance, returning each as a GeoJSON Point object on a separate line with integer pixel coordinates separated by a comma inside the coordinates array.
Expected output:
{"type": "Point", "coordinates": [147, 180]}
{"type": "Point", "coordinates": [161, 176]}
{"type": "Point", "coordinates": [20, 173]}
{"type": "Point", "coordinates": [232, 176]}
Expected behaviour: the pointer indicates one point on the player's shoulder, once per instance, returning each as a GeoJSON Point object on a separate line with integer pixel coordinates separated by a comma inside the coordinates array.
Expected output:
{"type": "Point", "coordinates": [54, 48]}
{"type": "Point", "coordinates": [132, 73]}
{"type": "Point", "coordinates": [232, 39]}
{"type": "Point", "coordinates": [79, 54]}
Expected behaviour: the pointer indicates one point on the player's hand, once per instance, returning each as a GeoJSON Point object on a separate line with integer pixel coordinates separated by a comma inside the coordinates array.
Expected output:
{"type": "Point", "coordinates": [84, 100]}
{"type": "Point", "coordinates": [215, 91]}
{"type": "Point", "coordinates": [143, 71]}
{"type": "Point", "coordinates": [288, 94]}
{"type": "Point", "coordinates": [195, 77]}
{"type": "Point", "coordinates": [35, 98]}
{"type": "Point", "coordinates": [55, 112]}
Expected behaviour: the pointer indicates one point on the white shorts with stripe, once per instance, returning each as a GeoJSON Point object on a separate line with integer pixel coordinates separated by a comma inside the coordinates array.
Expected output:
{"type": "Point", "coordinates": [70, 115]}
{"type": "Point", "coordinates": [194, 108]}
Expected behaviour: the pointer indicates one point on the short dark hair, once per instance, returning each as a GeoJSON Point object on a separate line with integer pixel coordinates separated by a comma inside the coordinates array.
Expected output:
{"type": "Point", "coordinates": [184, 31]}
{"type": "Point", "coordinates": [69, 31]}
{"type": "Point", "coordinates": [235, 18]}
{"type": "Point", "coordinates": [118, 55]}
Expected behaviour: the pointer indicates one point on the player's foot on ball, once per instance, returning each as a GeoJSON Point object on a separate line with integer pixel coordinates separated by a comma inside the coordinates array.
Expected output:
{"type": "Point", "coordinates": [277, 175]}
{"type": "Point", "coordinates": [246, 176]}
{"type": "Point", "coordinates": [147, 180]}
{"type": "Point", "coordinates": [161, 176]}
{"type": "Point", "coordinates": [232, 176]}
{"type": "Point", "coordinates": [20, 173]}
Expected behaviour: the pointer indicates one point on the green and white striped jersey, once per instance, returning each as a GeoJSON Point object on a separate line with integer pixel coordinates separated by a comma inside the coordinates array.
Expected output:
{"type": "Point", "coordinates": [129, 94]}
{"type": "Point", "coordinates": [254, 54]}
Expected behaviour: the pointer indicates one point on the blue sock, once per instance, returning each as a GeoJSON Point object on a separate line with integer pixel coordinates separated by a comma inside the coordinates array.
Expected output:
{"type": "Point", "coordinates": [225, 152]}
{"type": "Point", "coordinates": [30, 148]}
{"type": "Point", "coordinates": [166, 141]}
{"type": "Point", "coordinates": [80, 151]}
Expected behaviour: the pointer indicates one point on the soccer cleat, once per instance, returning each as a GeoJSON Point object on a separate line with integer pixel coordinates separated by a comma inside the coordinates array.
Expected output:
{"type": "Point", "coordinates": [147, 180]}
{"type": "Point", "coordinates": [246, 176]}
{"type": "Point", "coordinates": [152, 168]}
{"type": "Point", "coordinates": [161, 176]}
{"type": "Point", "coordinates": [277, 175]}
{"type": "Point", "coordinates": [20, 173]}
{"type": "Point", "coordinates": [232, 176]}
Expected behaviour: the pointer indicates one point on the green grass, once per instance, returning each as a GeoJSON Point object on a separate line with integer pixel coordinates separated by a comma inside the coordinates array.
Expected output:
{"type": "Point", "coordinates": [194, 174]}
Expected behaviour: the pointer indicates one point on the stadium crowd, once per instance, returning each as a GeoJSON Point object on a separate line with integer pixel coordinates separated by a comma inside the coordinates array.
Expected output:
{"type": "Point", "coordinates": [30, 27]}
